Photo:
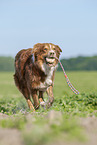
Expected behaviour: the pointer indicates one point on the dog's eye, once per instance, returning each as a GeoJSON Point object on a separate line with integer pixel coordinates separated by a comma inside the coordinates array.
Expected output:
{"type": "Point", "coordinates": [54, 48]}
{"type": "Point", "coordinates": [45, 49]}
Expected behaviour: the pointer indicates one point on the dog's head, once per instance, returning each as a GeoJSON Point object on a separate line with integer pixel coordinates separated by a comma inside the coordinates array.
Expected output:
{"type": "Point", "coordinates": [46, 53]}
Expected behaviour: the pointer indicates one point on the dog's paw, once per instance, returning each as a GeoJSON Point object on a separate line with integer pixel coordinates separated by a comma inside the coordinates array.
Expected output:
{"type": "Point", "coordinates": [48, 105]}
{"type": "Point", "coordinates": [43, 104]}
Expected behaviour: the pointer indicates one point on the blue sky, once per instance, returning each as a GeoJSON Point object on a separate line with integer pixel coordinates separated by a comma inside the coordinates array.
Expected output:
{"type": "Point", "coordinates": [71, 24]}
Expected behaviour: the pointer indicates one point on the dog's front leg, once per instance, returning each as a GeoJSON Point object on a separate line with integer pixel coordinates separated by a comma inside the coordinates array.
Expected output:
{"type": "Point", "coordinates": [35, 99]}
{"type": "Point", "coordinates": [50, 95]}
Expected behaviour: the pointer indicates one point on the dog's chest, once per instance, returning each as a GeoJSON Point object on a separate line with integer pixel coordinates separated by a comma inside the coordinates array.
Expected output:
{"type": "Point", "coordinates": [48, 80]}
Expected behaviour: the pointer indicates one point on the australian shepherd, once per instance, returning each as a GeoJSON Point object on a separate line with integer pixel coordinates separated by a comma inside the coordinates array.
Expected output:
{"type": "Point", "coordinates": [34, 73]}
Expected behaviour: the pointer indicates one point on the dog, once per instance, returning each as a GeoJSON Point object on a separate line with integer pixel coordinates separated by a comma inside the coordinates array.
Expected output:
{"type": "Point", "coordinates": [34, 73]}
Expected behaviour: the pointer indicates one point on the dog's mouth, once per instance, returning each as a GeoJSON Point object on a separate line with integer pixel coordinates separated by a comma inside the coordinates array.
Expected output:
{"type": "Point", "coordinates": [50, 60]}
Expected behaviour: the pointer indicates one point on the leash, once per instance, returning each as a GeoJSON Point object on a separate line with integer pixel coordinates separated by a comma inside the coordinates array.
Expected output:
{"type": "Point", "coordinates": [67, 79]}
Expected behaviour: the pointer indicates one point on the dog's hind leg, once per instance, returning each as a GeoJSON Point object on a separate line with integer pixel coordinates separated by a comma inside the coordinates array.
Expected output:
{"type": "Point", "coordinates": [35, 99]}
{"type": "Point", "coordinates": [23, 89]}
{"type": "Point", "coordinates": [30, 104]}
{"type": "Point", "coordinates": [42, 103]}
{"type": "Point", "coordinates": [40, 96]}
{"type": "Point", "coordinates": [27, 97]}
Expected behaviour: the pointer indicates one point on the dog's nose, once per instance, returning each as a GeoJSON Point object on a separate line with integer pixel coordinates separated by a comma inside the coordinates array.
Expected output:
{"type": "Point", "coordinates": [52, 53]}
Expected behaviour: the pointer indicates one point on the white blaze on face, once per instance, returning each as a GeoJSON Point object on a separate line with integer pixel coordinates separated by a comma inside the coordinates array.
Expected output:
{"type": "Point", "coordinates": [50, 46]}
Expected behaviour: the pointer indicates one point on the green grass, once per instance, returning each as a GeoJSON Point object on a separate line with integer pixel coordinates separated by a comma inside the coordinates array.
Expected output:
{"type": "Point", "coordinates": [12, 101]}
{"type": "Point", "coordinates": [14, 105]}
{"type": "Point", "coordinates": [83, 81]}
{"type": "Point", "coordinates": [17, 121]}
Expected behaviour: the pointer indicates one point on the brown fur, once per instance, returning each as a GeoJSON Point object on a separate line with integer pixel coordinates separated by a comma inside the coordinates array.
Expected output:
{"type": "Point", "coordinates": [29, 75]}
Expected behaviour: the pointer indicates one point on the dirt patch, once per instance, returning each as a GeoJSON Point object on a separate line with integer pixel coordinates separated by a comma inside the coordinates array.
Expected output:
{"type": "Point", "coordinates": [10, 137]}
{"type": "Point", "coordinates": [3, 116]}
{"type": "Point", "coordinates": [13, 136]}
{"type": "Point", "coordinates": [90, 126]}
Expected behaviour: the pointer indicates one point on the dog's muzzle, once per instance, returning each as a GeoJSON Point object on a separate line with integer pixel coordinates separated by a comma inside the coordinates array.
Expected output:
{"type": "Point", "coordinates": [50, 58]}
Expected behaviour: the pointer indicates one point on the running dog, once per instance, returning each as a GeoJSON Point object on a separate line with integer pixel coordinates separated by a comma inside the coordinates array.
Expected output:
{"type": "Point", "coordinates": [34, 73]}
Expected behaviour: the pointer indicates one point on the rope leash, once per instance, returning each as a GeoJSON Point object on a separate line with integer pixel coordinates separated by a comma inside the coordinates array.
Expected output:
{"type": "Point", "coordinates": [67, 79]}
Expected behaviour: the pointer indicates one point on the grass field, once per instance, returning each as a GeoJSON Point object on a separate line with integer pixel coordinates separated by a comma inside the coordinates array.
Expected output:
{"type": "Point", "coordinates": [57, 122]}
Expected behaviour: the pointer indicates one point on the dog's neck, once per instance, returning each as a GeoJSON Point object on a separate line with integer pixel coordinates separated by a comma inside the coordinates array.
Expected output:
{"type": "Point", "coordinates": [47, 69]}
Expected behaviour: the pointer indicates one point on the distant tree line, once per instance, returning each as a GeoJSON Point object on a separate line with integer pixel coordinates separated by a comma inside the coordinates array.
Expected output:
{"type": "Point", "coordinates": [79, 63]}
{"type": "Point", "coordinates": [71, 64]}
{"type": "Point", "coordinates": [6, 63]}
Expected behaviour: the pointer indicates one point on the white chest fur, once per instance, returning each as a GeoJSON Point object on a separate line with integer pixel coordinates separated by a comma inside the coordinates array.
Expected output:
{"type": "Point", "coordinates": [49, 72]}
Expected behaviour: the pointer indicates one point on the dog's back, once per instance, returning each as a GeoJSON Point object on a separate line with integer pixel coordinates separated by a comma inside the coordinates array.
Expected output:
{"type": "Point", "coordinates": [20, 61]}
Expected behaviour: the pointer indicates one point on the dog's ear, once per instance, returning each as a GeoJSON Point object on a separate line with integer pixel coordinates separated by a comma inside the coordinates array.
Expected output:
{"type": "Point", "coordinates": [60, 50]}
{"type": "Point", "coordinates": [36, 50]}
{"type": "Point", "coordinates": [36, 47]}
